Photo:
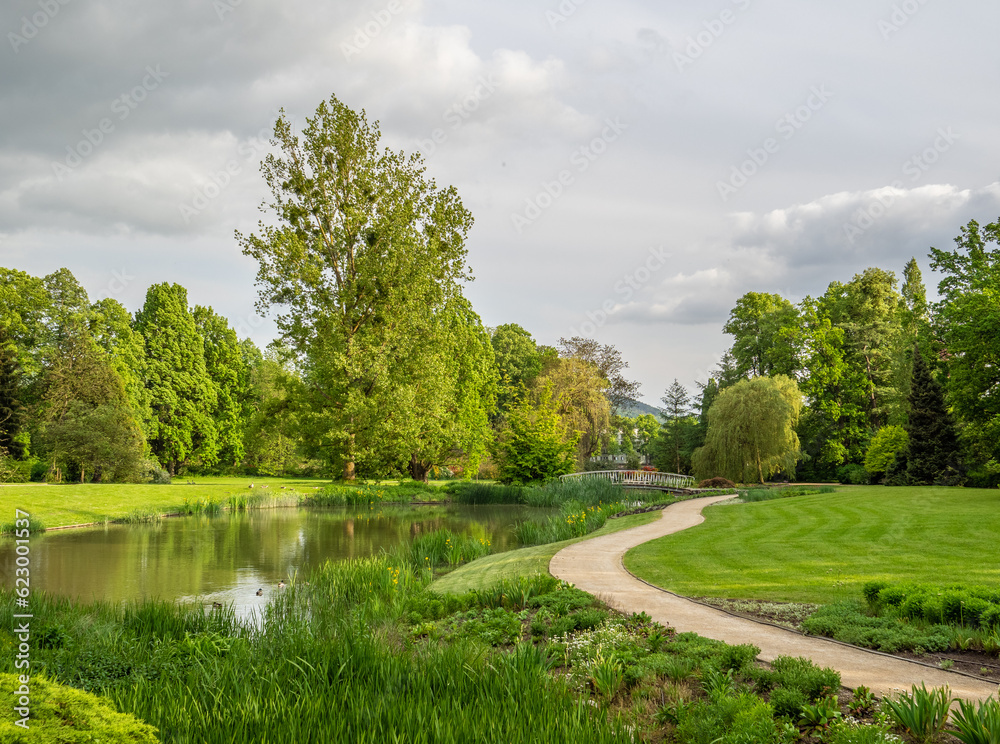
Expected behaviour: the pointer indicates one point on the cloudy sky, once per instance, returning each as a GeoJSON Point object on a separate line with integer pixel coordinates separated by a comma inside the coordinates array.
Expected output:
{"type": "Point", "coordinates": [633, 166]}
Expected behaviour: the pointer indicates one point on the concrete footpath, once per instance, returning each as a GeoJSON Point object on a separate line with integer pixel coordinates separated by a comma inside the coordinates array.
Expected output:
{"type": "Point", "coordinates": [596, 567]}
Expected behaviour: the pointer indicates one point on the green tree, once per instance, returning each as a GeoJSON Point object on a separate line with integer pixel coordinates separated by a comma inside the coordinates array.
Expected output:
{"type": "Point", "coordinates": [535, 444]}
{"type": "Point", "coordinates": [273, 433]}
{"type": "Point", "coordinates": [225, 366]}
{"type": "Point", "coordinates": [579, 393]}
{"type": "Point", "coordinates": [455, 384]}
{"type": "Point", "coordinates": [182, 395]}
{"type": "Point", "coordinates": [518, 359]}
{"type": "Point", "coordinates": [751, 433]}
{"type": "Point", "coordinates": [608, 361]}
{"type": "Point", "coordinates": [967, 320]}
{"type": "Point", "coordinates": [888, 442]}
{"type": "Point", "coordinates": [111, 326]}
{"type": "Point", "coordinates": [765, 328]}
{"type": "Point", "coordinates": [676, 429]}
{"type": "Point", "coordinates": [24, 304]}
{"type": "Point", "coordinates": [84, 419]}
{"type": "Point", "coordinates": [365, 251]}
{"type": "Point", "coordinates": [12, 410]}
{"type": "Point", "coordinates": [835, 428]}
{"type": "Point", "coordinates": [932, 454]}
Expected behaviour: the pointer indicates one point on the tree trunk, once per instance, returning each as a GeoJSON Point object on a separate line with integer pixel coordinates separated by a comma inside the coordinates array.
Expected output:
{"type": "Point", "coordinates": [418, 469]}
{"type": "Point", "coordinates": [349, 473]}
{"type": "Point", "coordinates": [760, 473]}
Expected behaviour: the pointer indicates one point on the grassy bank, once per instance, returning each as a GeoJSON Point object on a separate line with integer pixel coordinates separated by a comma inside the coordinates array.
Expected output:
{"type": "Point", "coordinates": [823, 548]}
{"type": "Point", "coordinates": [60, 505]}
{"type": "Point", "coordinates": [524, 562]}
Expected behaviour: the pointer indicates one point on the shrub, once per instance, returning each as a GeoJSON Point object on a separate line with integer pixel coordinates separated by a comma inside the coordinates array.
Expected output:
{"type": "Point", "coordinates": [788, 701]}
{"type": "Point", "coordinates": [801, 674]}
{"type": "Point", "coordinates": [854, 475]}
{"type": "Point", "coordinates": [883, 448]}
{"type": "Point", "coordinates": [871, 590]}
{"type": "Point", "coordinates": [65, 714]}
{"type": "Point", "coordinates": [990, 617]}
{"type": "Point", "coordinates": [739, 657]}
{"type": "Point", "coordinates": [734, 719]}
{"type": "Point", "coordinates": [717, 482]}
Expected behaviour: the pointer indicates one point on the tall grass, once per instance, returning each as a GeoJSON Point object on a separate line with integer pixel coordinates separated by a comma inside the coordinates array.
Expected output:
{"type": "Point", "coordinates": [471, 492]}
{"type": "Point", "coordinates": [358, 496]}
{"type": "Point", "coordinates": [327, 663]}
{"type": "Point", "coordinates": [575, 520]}
{"type": "Point", "coordinates": [444, 547]}
{"type": "Point", "coordinates": [584, 491]}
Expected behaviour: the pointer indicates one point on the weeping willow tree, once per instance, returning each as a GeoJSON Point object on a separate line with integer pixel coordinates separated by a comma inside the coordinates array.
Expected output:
{"type": "Point", "coordinates": [751, 431]}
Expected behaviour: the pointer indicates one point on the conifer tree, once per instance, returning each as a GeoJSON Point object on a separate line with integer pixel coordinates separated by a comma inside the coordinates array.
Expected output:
{"type": "Point", "coordinates": [932, 454]}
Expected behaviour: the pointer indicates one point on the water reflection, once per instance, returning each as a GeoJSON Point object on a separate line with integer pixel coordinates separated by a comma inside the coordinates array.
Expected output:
{"type": "Point", "coordinates": [229, 557]}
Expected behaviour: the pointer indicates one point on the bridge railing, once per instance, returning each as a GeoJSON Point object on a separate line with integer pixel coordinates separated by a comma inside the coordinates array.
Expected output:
{"type": "Point", "coordinates": [637, 478]}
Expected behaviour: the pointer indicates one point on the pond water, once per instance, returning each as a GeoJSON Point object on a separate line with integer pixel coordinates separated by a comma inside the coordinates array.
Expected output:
{"type": "Point", "coordinates": [227, 558]}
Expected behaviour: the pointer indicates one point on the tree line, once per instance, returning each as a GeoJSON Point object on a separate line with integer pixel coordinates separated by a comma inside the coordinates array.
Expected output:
{"type": "Point", "coordinates": [880, 384]}
{"type": "Point", "coordinates": [382, 367]}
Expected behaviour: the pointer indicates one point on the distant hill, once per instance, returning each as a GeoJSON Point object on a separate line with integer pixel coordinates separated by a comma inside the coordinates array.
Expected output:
{"type": "Point", "coordinates": [639, 407]}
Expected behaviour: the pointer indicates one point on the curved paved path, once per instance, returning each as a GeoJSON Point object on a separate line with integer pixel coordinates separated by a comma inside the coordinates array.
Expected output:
{"type": "Point", "coordinates": [596, 567]}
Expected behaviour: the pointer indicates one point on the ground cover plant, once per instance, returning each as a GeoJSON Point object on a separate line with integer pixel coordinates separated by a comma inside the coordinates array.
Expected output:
{"type": "Point", "coordinates": [916, 618]}
{"type": "Point", "coordinates": [365, 652]}
{"type": "Point", "coordinates": [823, 548]}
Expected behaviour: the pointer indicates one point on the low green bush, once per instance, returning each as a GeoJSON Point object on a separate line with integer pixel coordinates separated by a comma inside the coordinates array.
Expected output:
{"type": "Point", "coordinates": [65, 715]}
{"type": "Point", "coordinates": [795, 672]}
{"type": "Point", "coordinates": [845, 622]}
{"type": "Point", "coordinates": [735, 719]}
{"type": "Point", "coordinates": [788, 701]}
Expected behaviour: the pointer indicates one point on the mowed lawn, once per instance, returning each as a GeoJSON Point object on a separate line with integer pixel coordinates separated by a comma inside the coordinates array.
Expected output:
{"type": "Point", "coordinates": [823, 548]}
{"type": "Point", "coordinates": [59, 505]}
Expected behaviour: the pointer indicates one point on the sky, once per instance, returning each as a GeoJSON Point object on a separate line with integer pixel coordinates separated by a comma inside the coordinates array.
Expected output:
{"type": "Point", "coordinates": [633, 167]}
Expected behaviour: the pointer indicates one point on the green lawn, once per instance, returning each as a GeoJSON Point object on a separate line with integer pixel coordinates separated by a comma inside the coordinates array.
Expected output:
{"type": "Point", "coordinates": [524, 561]}
{"type": "Point", "coordinates": [823, 548]}
{"type": "Point", "coordinates": [82, 503]}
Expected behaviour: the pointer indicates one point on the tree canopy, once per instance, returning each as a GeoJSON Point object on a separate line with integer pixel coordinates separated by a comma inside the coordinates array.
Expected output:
{"type": "Point", "coordinates": [365, 255]}
{"type": "Point", "coordinates": [751, 431]}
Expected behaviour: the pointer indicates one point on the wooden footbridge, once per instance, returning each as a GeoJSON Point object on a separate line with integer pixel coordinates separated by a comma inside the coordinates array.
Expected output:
{"type": "Point", "coordinates": [638, 479]}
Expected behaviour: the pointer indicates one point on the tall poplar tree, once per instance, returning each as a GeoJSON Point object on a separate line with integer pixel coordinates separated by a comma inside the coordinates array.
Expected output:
{"type": "Point", "coordinates": [182, 394]}
{"type": "Point", "coordinates": [224, 363]}
{"type": "Point", "coordinates": [365, 250]}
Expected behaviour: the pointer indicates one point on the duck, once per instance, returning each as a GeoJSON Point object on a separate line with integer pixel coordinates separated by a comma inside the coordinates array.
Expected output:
{"type": "Point", "coordinates": [216, 605]}
{"type": "Point", "coordinates": [260, 592]}
{"type": "Point", "coordinates": [281, 584]}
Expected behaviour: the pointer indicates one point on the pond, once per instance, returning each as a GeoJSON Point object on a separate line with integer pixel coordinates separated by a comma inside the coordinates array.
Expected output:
{"type": "Point", "coordinates": [227, 558]}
